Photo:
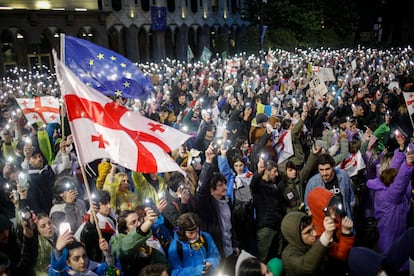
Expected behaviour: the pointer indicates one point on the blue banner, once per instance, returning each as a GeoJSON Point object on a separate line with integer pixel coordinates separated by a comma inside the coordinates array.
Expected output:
{"type": "Point", "coordinates": [263, 35]}
{"type": "Point", "coordinates": [106, 71]}
{"type": "Point", "coordinates": [158, 18]}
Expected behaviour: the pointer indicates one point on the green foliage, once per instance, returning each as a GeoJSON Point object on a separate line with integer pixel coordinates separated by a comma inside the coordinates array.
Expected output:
{"type": "Point", "coordinates": [280, 38]}
{"type": "Point", "coordinates": [221, 44]}
{"type": "Point", "coordinates": [249, 40]}
{"type": "Point", "coordinates": [293, 23]}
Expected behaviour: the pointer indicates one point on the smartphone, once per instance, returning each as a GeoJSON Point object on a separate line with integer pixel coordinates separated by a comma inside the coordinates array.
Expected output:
{"type": "Point", "coordinates": [205, 269]}
{"type": "Point", "coordinates": [326, 212]}
{"type": "Point", "coordinates": [226, 144]}
{"type": "Point", "coordinates": [64, 227]}
{"type": "Point", "coordinates": [151, 204]}
{"type": "Point", "coordinates": [23, 180]}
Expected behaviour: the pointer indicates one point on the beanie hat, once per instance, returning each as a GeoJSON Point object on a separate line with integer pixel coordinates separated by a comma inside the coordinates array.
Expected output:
{"type": "Point", "coordinates": [275, 266]}
{"type": "Point", "coordinates": [364, 261]}
{"type": "Point", "coordinates": [261, 118]}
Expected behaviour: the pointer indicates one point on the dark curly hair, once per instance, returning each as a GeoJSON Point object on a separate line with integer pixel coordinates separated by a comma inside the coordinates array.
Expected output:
{"type": "Point", "coordinates": [187, 222]}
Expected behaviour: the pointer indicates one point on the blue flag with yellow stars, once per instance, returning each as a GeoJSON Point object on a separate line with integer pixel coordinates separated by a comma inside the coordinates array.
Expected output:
{"type": "Point", "coordinates": [106, 71]}
{"type": "Point", "coordinates": [158, 18]}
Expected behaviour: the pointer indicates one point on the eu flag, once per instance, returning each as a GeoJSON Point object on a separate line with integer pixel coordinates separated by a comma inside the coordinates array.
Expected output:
{"type": "Point", "coordinates": [159, 18]}
{"type": "Point", "coordinates": [106, 71]}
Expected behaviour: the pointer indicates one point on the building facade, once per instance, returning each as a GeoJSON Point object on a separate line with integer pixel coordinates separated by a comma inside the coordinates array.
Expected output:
{"type": "Point", "coordinates": [28, 33]}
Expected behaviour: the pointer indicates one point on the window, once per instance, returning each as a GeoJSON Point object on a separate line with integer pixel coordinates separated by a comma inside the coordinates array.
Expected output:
{"type": "Point", "coordinates": [116, 5]}
{"type": "Point", "coordinates": [194, 7]}
{"type": "Point", "coordinates": [171, 5]}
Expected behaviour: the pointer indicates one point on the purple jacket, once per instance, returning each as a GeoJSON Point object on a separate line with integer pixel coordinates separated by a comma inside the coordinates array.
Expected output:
{"type": "Point", "coordinates": [392, 203]}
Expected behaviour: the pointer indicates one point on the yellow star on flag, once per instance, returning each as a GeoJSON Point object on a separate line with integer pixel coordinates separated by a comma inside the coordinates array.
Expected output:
{"type": "Point", "coordinates": [100, 56]}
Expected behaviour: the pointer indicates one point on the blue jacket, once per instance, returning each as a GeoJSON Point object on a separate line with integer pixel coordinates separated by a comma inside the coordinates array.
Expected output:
{"type": "Point", "coordinates": [58, 267]}
{"type": "Point", "coordinates": [192, 261]}
{"type": "Point", "coordinates": [225, 169]}
{"type": "Point", "coordinates": [345, 184]}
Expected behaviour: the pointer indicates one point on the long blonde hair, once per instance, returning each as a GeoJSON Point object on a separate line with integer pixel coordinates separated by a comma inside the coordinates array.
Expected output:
{"type": "Point", "coordinates": [385, 162]}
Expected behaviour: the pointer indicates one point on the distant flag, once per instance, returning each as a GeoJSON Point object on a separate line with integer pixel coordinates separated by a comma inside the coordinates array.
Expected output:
{"type": "Point", "coordinates": [264, 108]}
{"type": "Point", "coordinates": [206, 55]}
{"type": "Point", "coordinates": [309, 70]}
{"type": "Point", "coordinates": [104, 70]}
{"type": "Point", "coordinates": [264, 28]}
{"type": "Point", "coordinates": [224, 55]}
{"type": "Point", "coordinates": [103, 129]}
{"type": "Point", "coordinates": [158, 18]}
{"type": "Point", "coordinates": [409, 101]}
{"type": "Point", "coordinates": [270, 58]}
{"type": "Point", "coordinates": [40, 109]}
{"type": "Point", "coordinates": [283, 146]}
{"type": "Point", "coordinates": [232, 67]}
{"type": "Point", "coordinates": [353, 163]}
{"type": "Point", "coordinates": [190, 54]}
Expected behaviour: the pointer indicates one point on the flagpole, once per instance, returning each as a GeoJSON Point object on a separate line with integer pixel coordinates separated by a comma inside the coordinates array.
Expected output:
{"type": "Point", "coordinates": [62, 47]}
{"type": "Point", "coordinates": [92, 208]}
{"type": "Point", "coordinates": [62, 119]}
{"type": "Point", "coordinates": [62, 58]}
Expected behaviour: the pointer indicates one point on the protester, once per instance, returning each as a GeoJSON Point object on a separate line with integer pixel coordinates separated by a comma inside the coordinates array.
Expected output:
{"type": "Point", "coordinates": [135, 246]}
{"type": "Point", "coordinates": [335, 180]}
{"type": "Point", "coordinates": [305, 253]}
{"type": "Point", "coordinates": [322, 204]}
{"type": "Point", "coordinates": [268, 203]}
{"type": "Point", "coordinates": [392, 197]}
{"type": "Point", "coordinates": [214, 210]}
{"type": "Point", "coordinates": [363, 89]}
{"type": "Point", "coordinates": [192, 252]}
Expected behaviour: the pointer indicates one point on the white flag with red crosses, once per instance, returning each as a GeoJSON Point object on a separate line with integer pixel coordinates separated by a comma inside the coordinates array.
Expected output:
{"type": "Point", "coordinates": [40, 109]}
{"type": "Point", "coordinates": [409, 101]}
{"type": "Point", "coordinates": [104, 129]}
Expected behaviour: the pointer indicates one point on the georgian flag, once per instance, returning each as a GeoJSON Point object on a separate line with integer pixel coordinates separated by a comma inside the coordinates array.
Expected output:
{"type": "Point", "coordinates": [409, 101]}
{"type": "Point", "coordinates": [40, 109]}
{"type": "Point", "coordinates": [353, 163]}
{"type": "Point", "coordinates": [103, 129]}
{"type": "Point", "coordinates": [283, 146]}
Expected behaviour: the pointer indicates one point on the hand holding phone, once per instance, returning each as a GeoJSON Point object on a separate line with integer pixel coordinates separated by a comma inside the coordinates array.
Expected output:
{"type": "Point", "coordinates": [206, 268]}
{"type": "Point", "coordinates": [64, 227]}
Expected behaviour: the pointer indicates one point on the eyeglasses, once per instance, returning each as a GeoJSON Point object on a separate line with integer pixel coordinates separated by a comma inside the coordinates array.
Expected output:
{"type": "Point", "coordinates": [308, 232]}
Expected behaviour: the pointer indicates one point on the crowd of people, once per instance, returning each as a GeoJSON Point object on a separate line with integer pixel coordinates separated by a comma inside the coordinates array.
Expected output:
{"type": "Point", "coordinates": [281, 177]}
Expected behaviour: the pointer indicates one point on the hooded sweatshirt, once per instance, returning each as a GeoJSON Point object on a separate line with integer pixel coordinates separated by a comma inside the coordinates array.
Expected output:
{"type": "Point", "coordinates": [299, 258]}
{"type": "Point", "coordinates": [392, 205]}
{"type": "Point", "coordinates": [318, 199]}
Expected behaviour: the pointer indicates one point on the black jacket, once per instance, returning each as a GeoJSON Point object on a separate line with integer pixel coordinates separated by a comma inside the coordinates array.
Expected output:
{"type": "Point", "coordinates": [268, 201]}
{"type": "Point", "coordinates": [208, 209]}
